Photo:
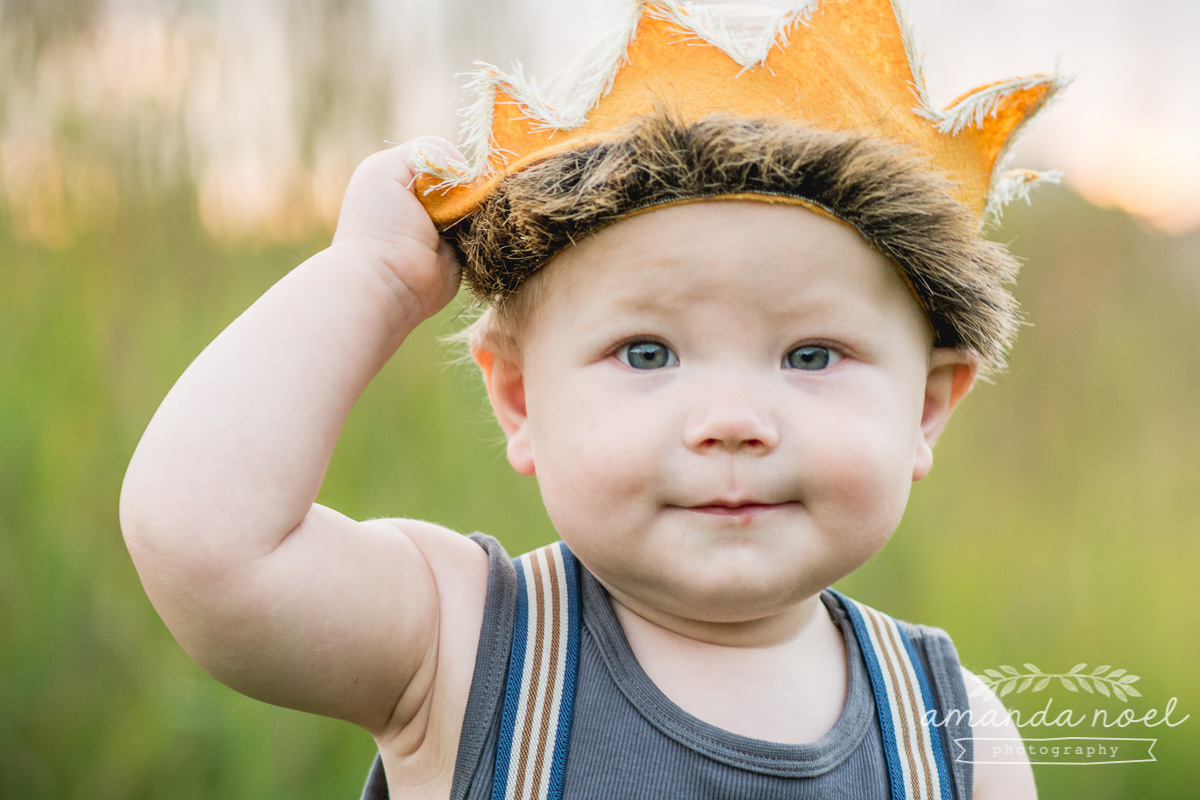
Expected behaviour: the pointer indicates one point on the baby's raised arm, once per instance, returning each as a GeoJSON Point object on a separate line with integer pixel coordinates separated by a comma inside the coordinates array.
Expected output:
{"type": "Point", "coordinates": [278, 597]}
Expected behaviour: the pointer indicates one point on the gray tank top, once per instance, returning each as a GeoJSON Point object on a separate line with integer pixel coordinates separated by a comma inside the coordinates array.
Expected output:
{"type": "Point", "coordinates": [628, 740]}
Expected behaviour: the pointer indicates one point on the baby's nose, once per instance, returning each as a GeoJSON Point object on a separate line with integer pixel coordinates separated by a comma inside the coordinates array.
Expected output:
{"type": "Point", "coordinates": [731, 417]}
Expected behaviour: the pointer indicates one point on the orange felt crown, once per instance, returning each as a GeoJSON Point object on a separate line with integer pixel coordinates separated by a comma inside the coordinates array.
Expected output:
{"type": "Point", "coordinates": [838, 65]}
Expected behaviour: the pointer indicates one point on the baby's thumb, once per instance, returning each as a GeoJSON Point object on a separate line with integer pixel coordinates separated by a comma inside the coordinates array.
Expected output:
{"type": "Point", "coordinates": [433, 154]}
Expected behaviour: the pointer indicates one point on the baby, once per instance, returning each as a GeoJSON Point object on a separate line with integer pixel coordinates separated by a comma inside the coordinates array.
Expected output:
{"type": "Point", "coordinates": [724, 341]}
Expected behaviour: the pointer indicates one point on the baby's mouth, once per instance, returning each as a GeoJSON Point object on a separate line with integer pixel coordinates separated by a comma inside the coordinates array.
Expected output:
{"type": "Point", "coordinates": [742, 510]}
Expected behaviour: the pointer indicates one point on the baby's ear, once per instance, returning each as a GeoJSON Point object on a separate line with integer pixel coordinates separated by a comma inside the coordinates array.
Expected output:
{"type": "Point", "coordinates": [951, 375]}
{"type": "Point", "coordinates": [505, 384]}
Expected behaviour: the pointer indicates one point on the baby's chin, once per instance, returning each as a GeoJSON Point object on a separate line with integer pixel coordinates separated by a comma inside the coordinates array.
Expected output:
{"type": "Point", "coordinates": [728, 604]}
{"type": "Point", "coordinates": [741, 605]}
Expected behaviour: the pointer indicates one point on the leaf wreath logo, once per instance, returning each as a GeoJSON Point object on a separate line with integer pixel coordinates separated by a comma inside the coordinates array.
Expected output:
{"type": "Point", "coordinates": [1105, 680]}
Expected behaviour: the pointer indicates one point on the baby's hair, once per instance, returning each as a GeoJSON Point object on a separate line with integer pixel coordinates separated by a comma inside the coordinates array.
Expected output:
{"type": "Point", "coordinates": [500, 327]}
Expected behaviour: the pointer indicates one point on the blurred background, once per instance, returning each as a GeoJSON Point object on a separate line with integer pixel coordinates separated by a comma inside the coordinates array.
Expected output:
{"type": "Point", "coordinates": [161, 164]}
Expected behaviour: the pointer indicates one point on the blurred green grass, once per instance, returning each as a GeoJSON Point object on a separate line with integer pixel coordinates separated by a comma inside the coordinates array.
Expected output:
{"type": "Point", "coordinates": [1059, 526]}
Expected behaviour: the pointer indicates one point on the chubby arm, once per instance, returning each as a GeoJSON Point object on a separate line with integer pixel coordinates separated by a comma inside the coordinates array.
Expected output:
{"type": "Point", "coordinates": [990, 720]}
{"type": "Point", "coordinates": [276, 596]}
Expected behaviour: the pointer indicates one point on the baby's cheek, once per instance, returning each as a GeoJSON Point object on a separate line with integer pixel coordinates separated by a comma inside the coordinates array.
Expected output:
{"type": "Point", "coordinates": [870, 473]}
{"type": "Point", "coordinates": [593, 472]}
{"type": "Point", "coordinates": [615, 450]}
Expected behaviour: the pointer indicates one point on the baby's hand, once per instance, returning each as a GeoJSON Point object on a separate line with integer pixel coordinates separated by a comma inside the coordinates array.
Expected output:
{"type": "Point", "coordinates": [382, 218]}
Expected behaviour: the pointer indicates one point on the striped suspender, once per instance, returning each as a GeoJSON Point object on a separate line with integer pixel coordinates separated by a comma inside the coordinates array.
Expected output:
{"type": "Point", "coordinates": [539, 699]}
{"type": "Point", "coordinates": [916, 759]}
{"type": "Point", "coordinates": [535, 728]}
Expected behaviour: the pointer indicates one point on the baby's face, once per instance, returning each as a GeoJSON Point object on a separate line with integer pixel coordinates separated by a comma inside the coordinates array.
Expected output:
{"type": "Point", "coordinates": [723, 405]}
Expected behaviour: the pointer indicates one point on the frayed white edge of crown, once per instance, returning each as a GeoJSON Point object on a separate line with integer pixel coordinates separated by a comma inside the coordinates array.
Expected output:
{"type": "Point", "coordinates": [705, 24]}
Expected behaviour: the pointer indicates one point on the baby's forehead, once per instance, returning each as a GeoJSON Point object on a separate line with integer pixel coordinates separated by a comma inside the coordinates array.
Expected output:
{"type": "Point", "coordinates": [721, 254]}
{"type": "Point", "coordinates": [728, 222]}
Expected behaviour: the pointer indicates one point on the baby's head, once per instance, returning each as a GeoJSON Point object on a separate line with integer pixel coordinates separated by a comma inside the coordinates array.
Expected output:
{"type": "Point", "coordinates": [726, 344]}
{"type": "Point", "coordinates": [725, 403]}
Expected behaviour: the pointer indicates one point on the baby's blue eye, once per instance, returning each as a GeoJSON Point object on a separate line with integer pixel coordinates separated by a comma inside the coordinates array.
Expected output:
{"type": "Point", "coordinates": [811, 357]}
{"type": "Point", "coordinates": [647, 355]}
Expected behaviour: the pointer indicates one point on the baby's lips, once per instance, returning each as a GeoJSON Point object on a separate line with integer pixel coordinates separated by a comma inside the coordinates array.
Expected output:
{"type": "Point", "coordinates": [734, 503]}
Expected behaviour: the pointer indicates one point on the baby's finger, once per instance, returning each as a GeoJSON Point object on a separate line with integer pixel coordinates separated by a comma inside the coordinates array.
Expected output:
{"type": "Point", "coordinates": [435, 150]}
{"type": "Point", "coordinates": [380, 203]}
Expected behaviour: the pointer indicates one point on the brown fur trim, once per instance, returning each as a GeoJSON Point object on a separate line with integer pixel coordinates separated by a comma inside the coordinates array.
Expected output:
{"type": "Point", "coordinates": [901, 206]}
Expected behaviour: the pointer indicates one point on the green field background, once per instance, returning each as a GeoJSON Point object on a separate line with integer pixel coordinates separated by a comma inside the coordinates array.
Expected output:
{"type": "Point", "coordinates": [1061, 524]}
